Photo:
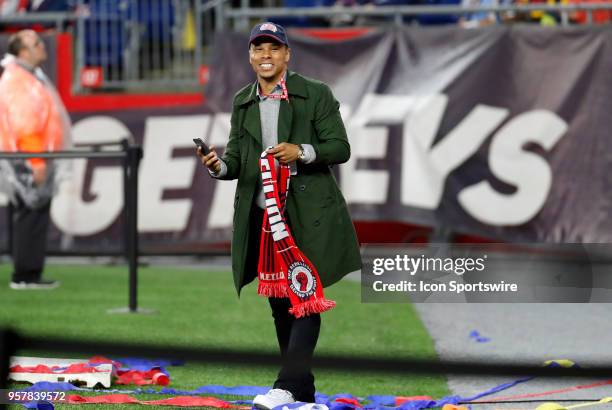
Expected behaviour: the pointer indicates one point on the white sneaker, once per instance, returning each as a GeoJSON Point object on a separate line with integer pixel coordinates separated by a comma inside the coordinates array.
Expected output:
{"type": "Point", "coordinates": [273, 398]}
{"type": "Point", "coordinates": [36, 284]}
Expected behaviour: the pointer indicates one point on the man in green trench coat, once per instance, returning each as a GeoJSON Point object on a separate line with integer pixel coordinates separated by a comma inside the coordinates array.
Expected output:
{"type": "Point", "coordinates": [299, 117]}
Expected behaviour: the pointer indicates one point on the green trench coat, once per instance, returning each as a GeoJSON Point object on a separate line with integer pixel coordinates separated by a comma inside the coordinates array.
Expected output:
{"type": "Point", "coordinates": [316, 210]}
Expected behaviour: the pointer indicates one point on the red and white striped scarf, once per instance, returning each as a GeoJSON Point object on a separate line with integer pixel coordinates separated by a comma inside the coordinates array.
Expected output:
{"type": "Point", "coordinates": [284, 271]}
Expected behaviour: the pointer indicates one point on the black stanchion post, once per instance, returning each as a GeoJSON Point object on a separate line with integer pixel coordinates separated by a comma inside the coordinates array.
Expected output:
{"type": "Point", "coordinates": [127, 215]}
{"type": "Point", "coordinates": [128, 220]}
{"type": "Point", "coordinates": [133, 155]}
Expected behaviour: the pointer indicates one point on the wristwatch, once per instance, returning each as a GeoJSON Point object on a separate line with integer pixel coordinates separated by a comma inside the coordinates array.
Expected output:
{"type": "Point", "coordinates": [301, 153]}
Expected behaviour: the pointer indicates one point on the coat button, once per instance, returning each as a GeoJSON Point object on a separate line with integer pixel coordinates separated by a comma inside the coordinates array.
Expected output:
{"type": "Point", "coordinates": [316, 223]}
{"type": "Point", "coordinates": [302, 188]}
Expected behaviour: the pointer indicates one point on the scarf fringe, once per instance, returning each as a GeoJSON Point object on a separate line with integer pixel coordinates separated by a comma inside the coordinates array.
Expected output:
{"type": "Point", "coordinates": [311, 306]}
{"type": "Point", "coordinates": [272, 289]}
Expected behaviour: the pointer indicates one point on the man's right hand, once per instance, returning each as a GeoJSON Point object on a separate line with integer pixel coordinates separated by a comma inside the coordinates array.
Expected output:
{"type": "Point", "coordinates": [211, 161]}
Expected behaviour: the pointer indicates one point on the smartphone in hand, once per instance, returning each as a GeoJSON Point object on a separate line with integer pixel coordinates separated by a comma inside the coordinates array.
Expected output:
{"type": "Point", "coordinates": [202, 144]}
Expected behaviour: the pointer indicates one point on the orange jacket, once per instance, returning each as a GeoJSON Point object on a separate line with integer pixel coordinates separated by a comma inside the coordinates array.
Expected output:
{"type": "Point", "coordinates": [30, 119]}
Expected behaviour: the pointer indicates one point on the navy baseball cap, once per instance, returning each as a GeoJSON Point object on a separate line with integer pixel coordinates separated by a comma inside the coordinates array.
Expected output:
{"type": "Point", "coordinates": [270, 30]}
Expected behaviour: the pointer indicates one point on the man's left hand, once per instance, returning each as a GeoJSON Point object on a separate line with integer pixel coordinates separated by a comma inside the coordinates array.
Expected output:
{"type": "Point", "coordinates": [285, 152]}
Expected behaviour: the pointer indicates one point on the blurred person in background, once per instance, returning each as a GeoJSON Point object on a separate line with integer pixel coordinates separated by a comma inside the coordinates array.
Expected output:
{"type": "Point", "coordinates": [297, 121]}
{"type": "Point", "coordinates": [32, 119]}
{"type": "Point", "coordinates": [485, 18]}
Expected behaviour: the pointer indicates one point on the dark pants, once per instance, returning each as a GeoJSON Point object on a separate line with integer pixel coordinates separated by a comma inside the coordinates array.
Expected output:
{"type": "Point", "coordinates": [29, 241]}
{"type": "Point", "coordinates": [297, 338]}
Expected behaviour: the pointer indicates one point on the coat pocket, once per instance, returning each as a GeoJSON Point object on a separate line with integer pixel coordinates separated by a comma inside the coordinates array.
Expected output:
{"type": "Point", "coordinates": [313, 203]}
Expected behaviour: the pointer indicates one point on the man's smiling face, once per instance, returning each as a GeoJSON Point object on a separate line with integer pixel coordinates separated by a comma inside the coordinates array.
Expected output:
{"type": "Point", "coordinates": [269, 59]}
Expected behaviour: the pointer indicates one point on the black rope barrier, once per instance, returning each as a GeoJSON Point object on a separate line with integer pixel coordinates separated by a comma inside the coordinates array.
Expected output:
{"type": "Point", "coordinates": [64, 154]}
{"type": "Point", "coordinates": [321, 361]}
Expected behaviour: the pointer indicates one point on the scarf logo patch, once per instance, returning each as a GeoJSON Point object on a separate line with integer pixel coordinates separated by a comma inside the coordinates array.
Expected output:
{"type": "Point", "coordinates": [301, 280]}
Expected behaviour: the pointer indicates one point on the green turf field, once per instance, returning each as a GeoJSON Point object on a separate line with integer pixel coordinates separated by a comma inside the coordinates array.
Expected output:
{"type": "Point", "coordinates": [200, 309]}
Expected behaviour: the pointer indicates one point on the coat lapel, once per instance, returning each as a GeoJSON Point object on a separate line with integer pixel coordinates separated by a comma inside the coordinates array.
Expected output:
{"type": "Point", "coordinates": [252, 120]}
{"type": "Point", "coordinates": [295, 88]}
